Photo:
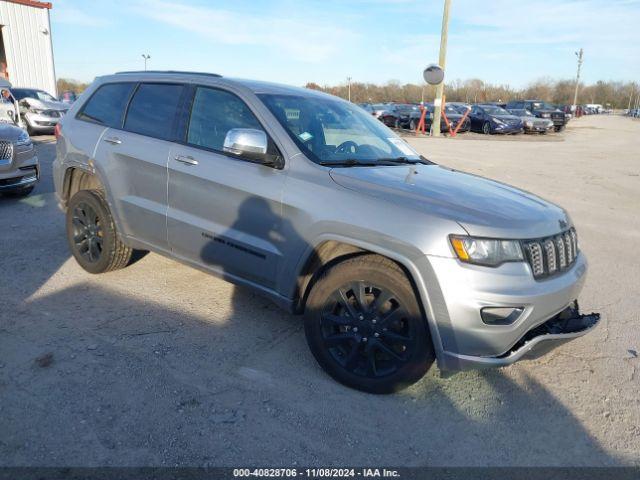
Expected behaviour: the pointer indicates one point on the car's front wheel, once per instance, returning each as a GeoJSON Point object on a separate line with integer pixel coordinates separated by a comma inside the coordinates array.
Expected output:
{"type": "Point", "coordinates": [365, 327]}
{"type": "Point", "coordinates": [486, 128]}
{"type": "Point", "coordinates": [92, 235]}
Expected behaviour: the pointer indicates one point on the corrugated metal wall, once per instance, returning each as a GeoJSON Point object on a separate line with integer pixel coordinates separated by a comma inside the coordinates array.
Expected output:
{"type": "Point", "coordinates": [28, 49]}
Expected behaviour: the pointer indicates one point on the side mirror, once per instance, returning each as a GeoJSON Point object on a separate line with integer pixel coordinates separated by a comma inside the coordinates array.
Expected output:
{"type": "Point", "coordinates": [248, 143]}
{"type": "Point", "coordinates": [11, 114]}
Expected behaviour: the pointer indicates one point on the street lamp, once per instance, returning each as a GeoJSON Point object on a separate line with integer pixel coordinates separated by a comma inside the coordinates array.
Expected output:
{"type": "Point", "coordinates": [146, 57]}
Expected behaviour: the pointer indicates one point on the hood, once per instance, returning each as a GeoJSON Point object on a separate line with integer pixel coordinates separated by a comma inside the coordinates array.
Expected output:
{"type": "Point", "coordinates": [43, 105]}
{"type": "Point", "coordinates": [10, 132]}
{"type": "Point", "coordinates": [481, 206]}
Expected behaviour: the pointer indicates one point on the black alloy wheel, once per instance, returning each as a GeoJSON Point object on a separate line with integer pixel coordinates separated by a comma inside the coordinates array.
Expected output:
{"type": "Point", "coordinates": [87, 232]}
{"type": "Point", "coordinates": [365, 327]}
{"type": "Point", "coordinates": [366, 330]}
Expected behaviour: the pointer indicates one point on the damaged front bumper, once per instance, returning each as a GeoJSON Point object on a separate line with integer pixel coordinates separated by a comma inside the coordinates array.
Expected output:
{"type": "Point", "coordinates": [561, 328]}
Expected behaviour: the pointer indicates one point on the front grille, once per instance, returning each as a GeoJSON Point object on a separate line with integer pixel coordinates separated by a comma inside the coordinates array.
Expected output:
{"type": "Point", "coordinates": [6, 150]}
{"type": "Point", "coordinates": [552, 255]}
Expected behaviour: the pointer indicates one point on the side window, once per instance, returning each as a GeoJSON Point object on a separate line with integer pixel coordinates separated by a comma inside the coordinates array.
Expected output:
{"type": "Point", "coordinates": [215, 112]}
{"type": "Point", "coordinates": [106, 106]}
{"type": "Point", "coordinates": [153, 109]}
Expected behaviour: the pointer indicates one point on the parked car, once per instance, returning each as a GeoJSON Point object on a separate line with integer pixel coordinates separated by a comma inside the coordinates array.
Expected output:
{"type": "Point", "coordinates": [541, 110]}
{"type": "Point", "coordinates": [393, 260]}
{"type": "Point", "coordinates": [408, 116]}
{"type": "Point", "coordinates": [531, 123]}
{"type": "Point", "coordinates": [490, 119]}
{"type": "Point", "coordinates": [39, 110]}
{"type": "Point", "coordinates": [68, 97]}
{"type": "Point", "coordinates": [19, 167]}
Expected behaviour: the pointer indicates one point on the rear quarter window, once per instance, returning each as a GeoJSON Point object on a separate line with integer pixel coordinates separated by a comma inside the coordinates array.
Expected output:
{"type": "Point", "coordinates": [153, 110]}
{"type": "Point", "coordinates": [106, 106]}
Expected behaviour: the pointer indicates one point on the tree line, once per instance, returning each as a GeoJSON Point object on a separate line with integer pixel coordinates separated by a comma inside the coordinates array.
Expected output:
{"type": "Point", "coordinates": [612, 93]}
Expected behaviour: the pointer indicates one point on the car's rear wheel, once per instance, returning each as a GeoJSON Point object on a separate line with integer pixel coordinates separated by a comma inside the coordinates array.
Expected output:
{"type": "Point", "coordinates": [412, 124]}
{"type": "Point", "coordinates": [486, 128]}
{"type": "Point", "coordinates": [92, 235]}
{"type": "Point", "coordinates": [365, 327]}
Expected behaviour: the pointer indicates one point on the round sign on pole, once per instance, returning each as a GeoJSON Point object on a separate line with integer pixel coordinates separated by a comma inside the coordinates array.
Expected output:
{"type": "Point", "coordinates": [433, 74]}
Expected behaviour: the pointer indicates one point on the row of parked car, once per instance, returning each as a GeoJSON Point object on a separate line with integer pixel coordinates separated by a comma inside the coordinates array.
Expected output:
{"type": "Point", "coordinates": [518, 116]}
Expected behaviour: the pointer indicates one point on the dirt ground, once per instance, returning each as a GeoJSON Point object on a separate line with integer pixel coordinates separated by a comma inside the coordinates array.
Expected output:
{"type": "Point", "coordinates": [159, 364]}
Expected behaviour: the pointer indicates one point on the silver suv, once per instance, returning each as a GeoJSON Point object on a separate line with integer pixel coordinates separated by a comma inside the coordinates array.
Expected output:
{"type": "Point", "coordinates": [394, 261]}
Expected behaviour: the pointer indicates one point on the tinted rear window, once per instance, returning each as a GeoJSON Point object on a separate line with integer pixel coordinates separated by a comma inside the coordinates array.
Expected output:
{"type": "Point", "coordinates": [153, 109]}
{"type": "Point", "coordinates": [107, 104]}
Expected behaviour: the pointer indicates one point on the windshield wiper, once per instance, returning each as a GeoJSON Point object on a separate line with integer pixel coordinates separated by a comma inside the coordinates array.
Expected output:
{"type": "Point", "coordinates": [405, 161]}
{"type": "Point", "coordinates": [350, 162]}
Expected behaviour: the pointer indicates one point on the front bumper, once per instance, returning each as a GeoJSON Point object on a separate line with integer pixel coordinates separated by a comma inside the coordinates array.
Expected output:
{"type": "Point", "coordinates": [39, 122]}
{"type": "Point", "coordinates": [561, 328]}
{"type": "Point", "coordinates": [457, 292]}
{"type": "Point", "coordinates": [539, 128]}
{"type": "Point", "coordinates": [506, 128]}
{"type": "Point", "coordinates": [22, 170]}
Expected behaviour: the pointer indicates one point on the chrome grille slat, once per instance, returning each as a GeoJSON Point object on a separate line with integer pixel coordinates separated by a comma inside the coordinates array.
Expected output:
{"type": "Point", "coordinates": [6, 150]}
{"type": "Point", "coordinates": [552, 255]}
{"type": "Point", "coordinates": [550, 251]}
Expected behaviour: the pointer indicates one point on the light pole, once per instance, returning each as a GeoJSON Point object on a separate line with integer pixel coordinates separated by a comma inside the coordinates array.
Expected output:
{"type": "Point", "coordinates": [575, 94]}
{"type": "Point", "coordinates": [435, 125]}
{"type": "Point", "coordinates": [146, 57]}
{"type": "Point", "coordinates": [349, 87]}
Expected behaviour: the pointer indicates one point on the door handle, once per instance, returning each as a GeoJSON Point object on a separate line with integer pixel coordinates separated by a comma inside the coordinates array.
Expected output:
{"type": "Point", "coordinates": [186, 159]}
{"type": "Point", "coordinates": [113, 140]}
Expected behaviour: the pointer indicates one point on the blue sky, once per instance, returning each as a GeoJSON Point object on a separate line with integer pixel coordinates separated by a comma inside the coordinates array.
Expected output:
{"type": "Point", "coordinates": [501, 41]}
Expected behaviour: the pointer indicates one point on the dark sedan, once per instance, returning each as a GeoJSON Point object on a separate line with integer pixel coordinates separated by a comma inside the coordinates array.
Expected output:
{"type": "Point", "coordinates": [489, 119]}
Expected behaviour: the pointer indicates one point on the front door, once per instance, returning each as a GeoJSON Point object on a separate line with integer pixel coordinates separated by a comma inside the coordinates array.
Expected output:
{"type": "Point", "coordinates": [224, 212]}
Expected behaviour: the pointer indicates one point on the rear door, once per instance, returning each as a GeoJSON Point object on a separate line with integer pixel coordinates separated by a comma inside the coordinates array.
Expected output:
{"type": "Point", "coordinates": [135, 160]}
{"type": "Point", "coordinates": [224, 212]}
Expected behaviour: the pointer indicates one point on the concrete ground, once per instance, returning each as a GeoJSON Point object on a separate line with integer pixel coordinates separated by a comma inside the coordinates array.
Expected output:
{"type": "Point", "coordinates": [159, 364]}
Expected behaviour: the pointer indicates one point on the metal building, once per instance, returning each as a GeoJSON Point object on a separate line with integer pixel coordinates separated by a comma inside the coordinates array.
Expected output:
{"type": "Point", "coordinates": [26, 51]}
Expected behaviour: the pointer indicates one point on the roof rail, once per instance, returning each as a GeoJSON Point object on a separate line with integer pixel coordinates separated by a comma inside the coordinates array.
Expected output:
{"type": "Point", "coordinates": [171, 72]}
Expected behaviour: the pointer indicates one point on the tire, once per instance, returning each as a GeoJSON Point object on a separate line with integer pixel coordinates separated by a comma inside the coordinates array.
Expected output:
{"type": "Point", "coordinates": [375, 348]}
{"type": "Point", "coordinates": [559, 128]}
{"type": "Point", "coordinates": [20, 192]}
{"type": "Point", "coordinates": [92, 235]}
{"type": "Point", "coordinates": [486, 128]}
{"type": "Point", "coordinates": [412, 125]}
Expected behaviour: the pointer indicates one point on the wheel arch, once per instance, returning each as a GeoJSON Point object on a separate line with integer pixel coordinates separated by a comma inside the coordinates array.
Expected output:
{"type": "Point", "coordinates": [77, 178]}
{"type": "Point", "coordinates": [331, 250]}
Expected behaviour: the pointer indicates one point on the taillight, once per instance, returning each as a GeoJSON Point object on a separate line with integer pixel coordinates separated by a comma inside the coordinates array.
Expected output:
{"type": "Point", "coordinates": [57, 131]}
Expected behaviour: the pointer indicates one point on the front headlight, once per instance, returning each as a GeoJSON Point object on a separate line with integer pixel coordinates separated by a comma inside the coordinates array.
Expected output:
{"type": "Point", "coordinates": [490, 252]}
{"type": "Point", "coordinates": [37, 111]}
{"type": "Point", "coordinates": [23, 139]}
{"type": "Point", "coordinates": [497, 121]}
{"type": "Point", "coordinates": [545, 115]}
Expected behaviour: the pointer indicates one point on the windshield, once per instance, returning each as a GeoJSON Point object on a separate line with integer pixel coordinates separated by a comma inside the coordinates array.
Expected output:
{"type": "Point", "coordinates": [19, 94]}
{"type": "Point", "coordinates": [491, 110]}
{"type": "Point", "coordinates": [333, 131]}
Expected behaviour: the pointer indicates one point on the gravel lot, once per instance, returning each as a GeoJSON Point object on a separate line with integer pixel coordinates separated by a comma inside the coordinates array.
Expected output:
{"type": "Point", "coordinates": [159, 364]}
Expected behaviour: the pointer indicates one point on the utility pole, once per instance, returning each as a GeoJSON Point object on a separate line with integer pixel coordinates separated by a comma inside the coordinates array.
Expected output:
{"type": "Point", "coordinates": [146, 57]}
{"type": "Point", "coordinates": [435, 125]}
{"type": "Point", "coordinates": [349, 87]}
{"type": "Point", "coordinates": [633, 87]}
{"type": "Point", "coordinates": [575, 94]}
